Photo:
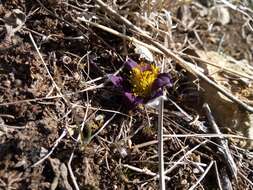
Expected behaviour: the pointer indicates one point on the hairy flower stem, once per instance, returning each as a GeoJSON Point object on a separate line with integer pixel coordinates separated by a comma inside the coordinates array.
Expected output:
{"type": "Point", "coordinates": [160, 146]}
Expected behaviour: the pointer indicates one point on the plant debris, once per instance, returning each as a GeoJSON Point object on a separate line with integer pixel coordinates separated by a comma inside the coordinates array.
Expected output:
{"type": "Point", "coordinates": [64, 123]}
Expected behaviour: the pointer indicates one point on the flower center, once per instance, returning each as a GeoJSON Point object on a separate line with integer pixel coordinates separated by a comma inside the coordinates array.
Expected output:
{"type": "Point", "coordinates": [142, 78]}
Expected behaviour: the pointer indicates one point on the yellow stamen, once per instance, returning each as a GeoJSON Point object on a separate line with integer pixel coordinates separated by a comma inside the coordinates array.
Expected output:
{"type": "Point", "coordinates": [142, 80]}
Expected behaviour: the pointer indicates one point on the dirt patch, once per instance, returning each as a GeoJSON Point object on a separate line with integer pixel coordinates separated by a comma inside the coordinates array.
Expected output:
{"type": "Point", "coordinates": [63, 124]}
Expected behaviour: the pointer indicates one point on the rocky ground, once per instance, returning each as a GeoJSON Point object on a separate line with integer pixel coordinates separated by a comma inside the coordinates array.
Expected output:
{"type": "Point", "coordinates": [63, 125]}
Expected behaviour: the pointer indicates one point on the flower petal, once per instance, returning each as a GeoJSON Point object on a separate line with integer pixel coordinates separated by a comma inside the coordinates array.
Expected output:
{"type": "Point", "coordinates": [145, 67]}
{"type": "Point", "coordinates": [117, 81]}
{"type": "Point", "coordinates": [163, 79]}
{"type": "Point", "coordinates": [154, 103]}
{"type": "Point", "coordinates": [131, 100]}
{"type": "Point", "coordinates": [155, 94]}
{"type": "Point", "coordinates": [129, 64]}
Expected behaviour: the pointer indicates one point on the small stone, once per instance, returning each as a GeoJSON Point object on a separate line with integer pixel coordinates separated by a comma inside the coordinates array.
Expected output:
{"type": "Point", "coordinates": [43, 152]}
{"type": "Point", "coordinates": [7, 83]}
{"type": "Point", "coordinates": [77, 76]}
{"type": "Point", "coordinates": [221, 15]}
{"type": "Point", "coordinates": [66, 59]}
{"type": "Point", "coordinates": [184, 182]}
{"type": "Point", "coordinates": [196, 170]}
{"type": "Point", "coordinates": [122, 152]}
{"type": "Point", "coordinates": [18, 82]}
{"type": "Point", "coordinates": [12, 77]}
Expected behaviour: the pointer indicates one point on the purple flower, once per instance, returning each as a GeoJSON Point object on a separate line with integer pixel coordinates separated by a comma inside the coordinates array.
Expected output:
{"type": "Point", "coordinates": [140, 83]}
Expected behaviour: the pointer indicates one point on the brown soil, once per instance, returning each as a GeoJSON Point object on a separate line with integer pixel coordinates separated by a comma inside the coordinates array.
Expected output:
{"type": "Point", "coordinates": [35, 117]}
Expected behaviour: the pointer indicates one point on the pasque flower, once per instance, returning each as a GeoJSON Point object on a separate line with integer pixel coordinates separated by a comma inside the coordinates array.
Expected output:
{"type": "Point", "coordinates": [140, 83]}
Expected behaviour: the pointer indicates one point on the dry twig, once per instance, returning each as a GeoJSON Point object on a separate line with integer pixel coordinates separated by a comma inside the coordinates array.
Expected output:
{"type": "Point", "coordinates": [144, 171]}
{"type": "Point", "coordinates": [71, 171]}
{"type": "Point", "coordinates": [160, 146]}
{"type": "Point", "coordinates": [52, 150]}
{"type": "Point", "coordinates": [202, 176]}
{"type": "Point", "coordinates": [222, 142]}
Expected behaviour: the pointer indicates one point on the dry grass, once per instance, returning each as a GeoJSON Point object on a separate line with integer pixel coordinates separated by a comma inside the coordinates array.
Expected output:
{"type": "Point", "coordinates": [76, 117]}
